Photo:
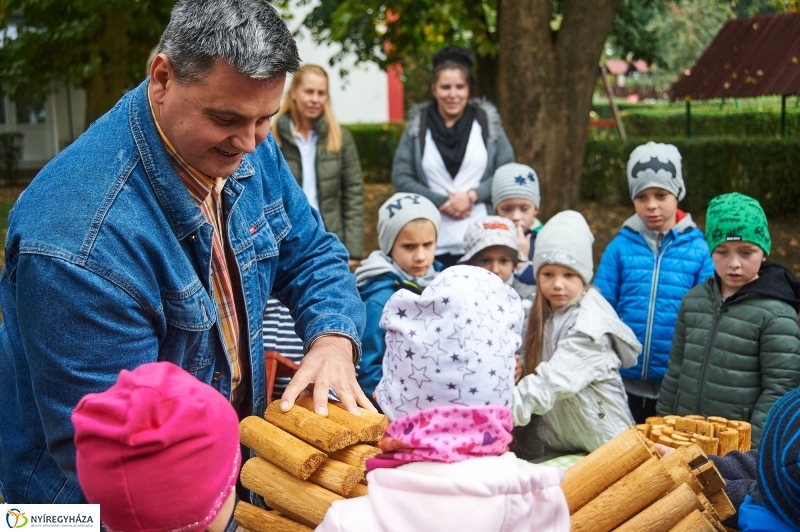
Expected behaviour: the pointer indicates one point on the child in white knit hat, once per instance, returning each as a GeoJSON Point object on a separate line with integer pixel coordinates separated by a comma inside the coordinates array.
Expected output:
{"type": "Point", "coordinates": [446, 387]}
{"type": "Point", "coordinates": [575, 346]}
{"type": "Point", "coordinates": [408, 225]}
{"type": "Point", "coordinates": [515, 195]}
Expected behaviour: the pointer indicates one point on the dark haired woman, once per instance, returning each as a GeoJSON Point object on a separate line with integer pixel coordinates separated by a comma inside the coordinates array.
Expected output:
{"type": "Point", "coordinates": [450, 149]}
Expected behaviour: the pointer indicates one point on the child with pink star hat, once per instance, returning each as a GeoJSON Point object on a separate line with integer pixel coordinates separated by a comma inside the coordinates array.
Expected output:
{"type": "Point", "coordinates": [448, 376]}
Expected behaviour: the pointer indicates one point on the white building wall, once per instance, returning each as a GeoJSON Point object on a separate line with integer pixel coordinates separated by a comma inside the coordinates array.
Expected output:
{"type": "Point", "coordinates": [362, 97]}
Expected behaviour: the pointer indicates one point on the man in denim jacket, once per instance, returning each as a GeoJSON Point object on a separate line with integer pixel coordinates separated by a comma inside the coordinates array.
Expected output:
{"type": "Point", "coordinates": [109, 259]}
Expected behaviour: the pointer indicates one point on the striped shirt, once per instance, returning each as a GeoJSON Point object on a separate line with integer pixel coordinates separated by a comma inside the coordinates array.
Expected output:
{"type": "Point", "coordinates": [206, 192]}
{"type": "Point", "coordinates": [279, 336]}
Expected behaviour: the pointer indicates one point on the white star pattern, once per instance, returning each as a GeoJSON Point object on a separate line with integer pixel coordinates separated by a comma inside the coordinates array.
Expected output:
{"type": "Point", "coordinates": [430, 353]}
{"type": "Point", "coordinates": [502, 386]}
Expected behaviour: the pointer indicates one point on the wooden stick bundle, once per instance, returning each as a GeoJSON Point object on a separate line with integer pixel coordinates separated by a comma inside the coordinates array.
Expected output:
{"type": "Point", "coordinates": [337, 476]}
{"type": "Point", "coordinates": [255, 519]}
{"type": "Point", "coordinates": [613, 460]}
{"type": "Point", "coordinates": [301, 501]}
{"type": "Point", "coordinates": [356, 455]}
{"type": "Point", "coordinates": [638, 489]}
{"type": "Point", "coordinates": [281, 448]}
{"type": "Point", "coordinates": [715, 435]}
{"type": "Point", "coordinates": [665, 513]}
{"type": "Point", "coordinates": [367, 428]}
{"type": "Point", "coordinates": [312, 428]}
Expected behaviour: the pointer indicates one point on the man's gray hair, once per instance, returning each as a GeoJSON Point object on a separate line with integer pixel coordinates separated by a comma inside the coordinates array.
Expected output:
{"type": "Point", "coordinates": [249, 35]}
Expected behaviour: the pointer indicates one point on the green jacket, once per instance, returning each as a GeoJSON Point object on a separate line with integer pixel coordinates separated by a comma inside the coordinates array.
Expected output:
{"type": "Point", "coordinates": [735, 358]}
{"type": "Point", "coordinates": [340, 185]}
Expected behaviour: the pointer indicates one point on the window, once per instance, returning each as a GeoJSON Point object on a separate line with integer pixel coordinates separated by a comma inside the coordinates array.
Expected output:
{"type": "Point", "coordinates": [31, 110]}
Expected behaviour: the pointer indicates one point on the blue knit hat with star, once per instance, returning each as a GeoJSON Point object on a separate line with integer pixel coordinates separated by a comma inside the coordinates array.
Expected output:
{"type": "Point", "coordinates": [453, 344]}
{"type": "Point", "coordinates": [779, 459]}
{"type": "Point", "coordinates": [514, 180]}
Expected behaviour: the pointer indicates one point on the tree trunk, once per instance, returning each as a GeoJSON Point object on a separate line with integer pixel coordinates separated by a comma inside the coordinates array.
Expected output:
{"type": "Point", "coordinates": [546, 80]}
{"type": "Point", "coordinates": [109, 83]}
{"type": "Point", "coordinates": [486, 74]}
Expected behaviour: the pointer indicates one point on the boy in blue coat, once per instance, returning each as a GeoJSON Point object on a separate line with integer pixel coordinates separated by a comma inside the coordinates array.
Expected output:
{"type": "Point", "coordinates": [408, 225]}
{"type": "Point", "coordinates": [658, 255]}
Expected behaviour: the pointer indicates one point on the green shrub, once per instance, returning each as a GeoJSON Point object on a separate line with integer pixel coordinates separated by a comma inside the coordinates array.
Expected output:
{"type": "Point", "coordinates": [709, 123]}
{"type": "Point", "coordinates": [376, 145]}
{"type": "Point", "coordinates": [763, 168]}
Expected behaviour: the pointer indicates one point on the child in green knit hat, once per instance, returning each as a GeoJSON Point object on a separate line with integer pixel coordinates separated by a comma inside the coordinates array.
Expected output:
{"type": "Point", "coordinates": [736, 348]}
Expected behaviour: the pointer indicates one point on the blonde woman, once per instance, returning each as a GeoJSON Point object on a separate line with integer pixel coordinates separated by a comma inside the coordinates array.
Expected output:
{"type": "Point", "coordinates": [323, 157]}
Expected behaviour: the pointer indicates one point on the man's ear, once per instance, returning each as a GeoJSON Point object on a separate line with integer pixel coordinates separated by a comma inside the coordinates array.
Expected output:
{"type": "Point", "coordinates": [161, 74]}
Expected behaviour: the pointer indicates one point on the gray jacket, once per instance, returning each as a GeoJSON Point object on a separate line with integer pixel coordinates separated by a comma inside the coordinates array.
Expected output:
{"type": "Point", "coordinates": [577, 389]}
{"type": "Point", "coordinates": [407, 173]}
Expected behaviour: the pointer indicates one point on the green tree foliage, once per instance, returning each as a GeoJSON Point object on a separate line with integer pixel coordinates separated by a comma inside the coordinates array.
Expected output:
{"type": "Point", "coordinates": [99, 45]}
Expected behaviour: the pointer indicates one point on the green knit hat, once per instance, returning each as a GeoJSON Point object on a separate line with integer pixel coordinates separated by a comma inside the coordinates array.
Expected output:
{"type": "Point", "coordinates": [735, 217]}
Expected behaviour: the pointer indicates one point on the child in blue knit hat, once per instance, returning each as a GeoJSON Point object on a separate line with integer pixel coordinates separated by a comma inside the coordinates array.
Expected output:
{"type": "Point", "coordinates": [778, 472]}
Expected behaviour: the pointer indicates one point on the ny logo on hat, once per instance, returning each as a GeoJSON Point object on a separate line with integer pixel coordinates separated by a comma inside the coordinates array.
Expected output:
{"type": "Point", "coordinates": [398, 205]}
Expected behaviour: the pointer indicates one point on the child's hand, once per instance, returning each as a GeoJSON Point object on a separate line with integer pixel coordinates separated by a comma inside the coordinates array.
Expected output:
{"type": "Point", "coordinates": [518, 370]}
{"type": "Point", "coordinates": [524, 242]}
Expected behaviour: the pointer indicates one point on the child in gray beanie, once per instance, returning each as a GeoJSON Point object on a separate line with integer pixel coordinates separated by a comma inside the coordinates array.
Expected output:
{"type": "Point", "coordinates": [658, 256]}
{"type": "Point", "coordinates": [515, 194]}
{"type": "Point", "coordinates": [408, 225]}
{"type": "Point", "coordinates": [574, 348]}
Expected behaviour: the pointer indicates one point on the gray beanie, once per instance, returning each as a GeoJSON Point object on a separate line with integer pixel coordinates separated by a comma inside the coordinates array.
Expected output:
{"type": "Point", "coordinates": [514, 180]}
{"type": "Point", "coordinates": [656, 165]}
{"type": "Point", "coordinates": [400, 209]}
{"type": "Point", "coordinates": [565, 240]}
{"type": "Point", "coordinates": [487, 232]}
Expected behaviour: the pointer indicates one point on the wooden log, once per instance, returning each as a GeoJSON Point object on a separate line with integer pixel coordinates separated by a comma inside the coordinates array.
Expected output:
{"type": "Point", "coordinates": [745, 435]}
{"type": "Point", "coordinates": [709, 512]}
{"type": "Point", "coordinates": [627, 497]}
{"type": "Point", "coordinates": [722, 504]}
{"type": "Point", "coordinates": [366, 414]}
{"type": "Point", "coordinates": [311, 428]}
{"type": "Point", "coordinates": [644, 429]}
{"type": "Point", "coordinates": [255, 519]}
{"type": "Point", "coordinates": [728, 441]}
{"type": "Point", "coordinates": [707, 443]}
{"type": "Point", "coordinates": [695, 416]}
{"type": "Point", "coordinates": [704, 428]}
{"type": "Point", "coordinates": [710, 478]}
{"type": "Point", "coordinates": [681, 436]}
{"type": "Point", "coordinates": [666, 440]}
{"type": "Point", "coordinates": [356, 455]}
{"type": "Point", "coordinates": [685, 424]}
{"type": "Point", "coordinates": [664, 513]}
{"type": "Point", "coordinates": [607, 464]}
{"type": "Point", "coordinates": [733, 423]}
{"type": "Point", "coordinates": [655, 420]}
{"type": "Point", "coordinates": [677, 465]}
{"type": "Point", "coordinates": [337, 476]}
{"type": "Point", "coordinates": [367, 430]}
{"type": "Point", "coordinates": [717, 419]}
{"type": "Point", "coordinates": [358, 491]}
{"type": "Point", "coordinates": [279, 447]}
{"type": "Point", "coordinates": [694, 522]}
{"type": "Point", "coordinates": [298, 500]}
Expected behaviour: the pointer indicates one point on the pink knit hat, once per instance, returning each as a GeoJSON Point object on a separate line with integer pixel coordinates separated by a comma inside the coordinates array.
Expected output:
{"type": "Point", "coordinates": [159, 450]}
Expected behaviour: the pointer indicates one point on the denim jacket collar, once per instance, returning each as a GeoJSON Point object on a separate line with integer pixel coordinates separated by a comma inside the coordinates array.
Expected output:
{"type": "Point", "coordinates": [184, 216]}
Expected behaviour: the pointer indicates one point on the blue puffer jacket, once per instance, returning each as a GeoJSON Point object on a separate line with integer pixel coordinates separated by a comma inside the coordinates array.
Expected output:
{"type": "Point", "coordinates": [646, 287]}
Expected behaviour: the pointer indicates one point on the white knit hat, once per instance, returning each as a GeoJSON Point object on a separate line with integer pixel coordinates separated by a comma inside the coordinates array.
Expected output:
{"type": "Point", "coordinates": [400, 209]}
{"type": "Point", "coordinates": [566, 240]}
{"type": "Point", "coordinates": [656, 165]}
{"type": "Point", "coordinates": [452, 345]}
{"type": "Point", "coordinates": [487, 232]}
{"type": "Point", "coordinates": [514, 180]}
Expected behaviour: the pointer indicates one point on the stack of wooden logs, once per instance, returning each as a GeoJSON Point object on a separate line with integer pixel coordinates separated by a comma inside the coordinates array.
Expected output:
{"type": "Point", "coordinates": [304, 462]}
{"type": "Point", "coordinates": [715, 435]}
{"type": "Point", "coordinates": [626, 486]}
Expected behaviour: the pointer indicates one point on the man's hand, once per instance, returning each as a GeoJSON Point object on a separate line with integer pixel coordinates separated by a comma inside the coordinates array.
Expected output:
{"type": "Point", "coordinates": [328, 364]}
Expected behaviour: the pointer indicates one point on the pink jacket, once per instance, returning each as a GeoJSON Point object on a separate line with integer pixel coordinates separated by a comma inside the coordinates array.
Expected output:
{"type": "Point", "coordinates": [495, 493]}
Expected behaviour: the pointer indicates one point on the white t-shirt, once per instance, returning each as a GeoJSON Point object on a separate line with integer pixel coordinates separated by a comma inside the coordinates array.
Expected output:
{"type": "Point", "coordinates": [308, 156]}
{"type": "Point", "coordinates": [451, 232]}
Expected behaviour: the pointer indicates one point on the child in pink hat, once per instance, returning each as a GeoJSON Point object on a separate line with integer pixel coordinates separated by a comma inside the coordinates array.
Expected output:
{"type": "Point", "coordinates": [159, 451]}
{"type": "Point", "coordinates": [448, 376]}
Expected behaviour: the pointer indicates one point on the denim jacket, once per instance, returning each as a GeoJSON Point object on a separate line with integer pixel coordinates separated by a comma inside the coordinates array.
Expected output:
{"type": "Point", "coordinates": [108, 263]}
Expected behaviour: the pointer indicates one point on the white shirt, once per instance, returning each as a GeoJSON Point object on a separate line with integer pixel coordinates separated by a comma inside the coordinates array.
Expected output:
{"type": "Point", "coordinates": [308, 156]}
{"type": "Point", "coordinates": [451, 232]}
